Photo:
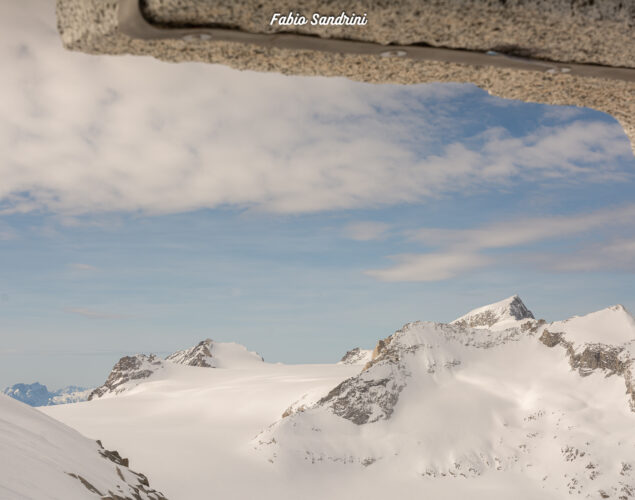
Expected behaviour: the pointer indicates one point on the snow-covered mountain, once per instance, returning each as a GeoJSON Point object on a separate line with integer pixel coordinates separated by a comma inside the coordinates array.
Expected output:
{"type": "Point", "coordinates": [508, 313]}
{"type": "Point", "coordinates": [127, 373]}
{"type": "Point", "coordinates": [131, 371]}
{"type": "Point", "coordinates": [357, 356]}
{"type": "Point", "coordinates": [210, 354]}
{"type": "Point", "coordinates": [493, 405]}
{"type": "Point", "coordinates": [37, 394]}
{"type": "Point", "coordinates": [466, 400]}
{"type": "Point", "coordinates": [600, 341]}
{"type": "Point", "coordinates": [43, 459]}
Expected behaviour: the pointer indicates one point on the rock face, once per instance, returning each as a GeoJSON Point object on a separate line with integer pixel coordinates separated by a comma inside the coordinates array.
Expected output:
{"type": "Point", "coordinates": [37, 394]}
{"type": "Point", "coordinates": [199, 355]}
{"type": "Point", "coordinates": [455, 400]}
{"type": "Point", "coordinates": [63, 465]}
{"type": "Point", "coordinates": [128, 372]}
{"type": "Point", "coordinates": [504, 314]}
{"type": "Point", "coordinates": [211, 354]}
{"type": "Point", "coordinates": [131, 371]}
{"type": "Point", "coordinates": [356, 356]}
{"type": "Point", "coordinates": [603, 341]}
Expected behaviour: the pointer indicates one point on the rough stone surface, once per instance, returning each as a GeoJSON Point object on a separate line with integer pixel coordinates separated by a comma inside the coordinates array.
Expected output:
{"type": "Point", "coordinates": [127, 369]}
{"type": "Point", "coordinates": [581, 31]}
{"type": "Point", "coordinates": [138, 482]}
{"type": "Point", "coordinates": [199, 355]}
{"type": "Point", "coordinates": [611, 360]}
{"type": "Point", "coordinates": [560, 30]}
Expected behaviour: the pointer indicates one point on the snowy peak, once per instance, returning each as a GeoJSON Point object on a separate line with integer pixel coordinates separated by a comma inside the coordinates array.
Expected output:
{"type": "Point", "coordinates": [128, 372]}
{"type": "Point", "coordinates": [211, 354]}
{"type": "Point", "coordinates": [507, 313]}
{"type": "Point", "coordinates": [356, 356]}
{"type": "Point", "coordinates": [199, 355]}
{"type": "Point", "coordinates": [613, 325]}
{"type": "Point", "coordinates": [131, 371]}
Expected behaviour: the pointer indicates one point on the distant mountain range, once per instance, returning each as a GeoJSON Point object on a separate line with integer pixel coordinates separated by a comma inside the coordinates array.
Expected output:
{"type": "Point", "coordinates": [37, 394]}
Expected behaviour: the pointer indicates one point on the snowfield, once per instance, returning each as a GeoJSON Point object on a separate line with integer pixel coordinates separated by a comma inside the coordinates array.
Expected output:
{"type": "Point", "coordinates": [495, 405]}
{"type": "Point", "coordinates": [41, 458]}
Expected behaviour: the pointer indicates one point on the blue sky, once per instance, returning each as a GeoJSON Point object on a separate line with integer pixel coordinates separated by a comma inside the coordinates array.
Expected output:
{"type": "Point", "coordinates": [145, 206]}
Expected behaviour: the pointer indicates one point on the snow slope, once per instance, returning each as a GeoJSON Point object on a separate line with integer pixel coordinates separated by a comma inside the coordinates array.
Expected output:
{"type": "Point", "coordinates": [204, 421]}
{"type": "Point", "coordinates": [448, 403]}
{"type": "Point", "coordinates": [613, 325]}
{"type": "Point", "coordinates": [41, 459]}
{"type": "Point", "coordinates": [445, 411]}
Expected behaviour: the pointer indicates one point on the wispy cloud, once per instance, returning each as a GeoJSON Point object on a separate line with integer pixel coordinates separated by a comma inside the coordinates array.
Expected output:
{"type": "Point", "coordinates": [524, 231]}
{"type": "Point", "coordinates": [462, 250]}
{"type": "Point", "coordinates": [429, 267]}
{"type": "Point", "coordinates": [618, 254]}
{"type": "Point", "coordinates": [93, 314]}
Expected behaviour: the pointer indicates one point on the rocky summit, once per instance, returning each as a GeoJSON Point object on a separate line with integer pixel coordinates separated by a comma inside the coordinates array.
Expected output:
{"type": "Point", "coordinates": [356, 356]}
{"type": "Point", "coordinates": [199, 355]}
{"type": "Point", "coordinates": [500, 315]}
{"type": "Point", "coordinates": [131, 371]}
{"type": "Point", "coordinates": [128, 372]}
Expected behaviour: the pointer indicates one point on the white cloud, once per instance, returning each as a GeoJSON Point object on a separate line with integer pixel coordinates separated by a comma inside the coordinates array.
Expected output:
{"type": "Point", "coordinates": [524, 231]}
{"type": "Point", "coordinates": [615, 255]}
{"type": "Point", "coordinates": [366, 231]}
{"type": "Point", "coordinates": [461, 250]}
{"type": "Point", "coordinates": [85, 134]}
{"type": "Point", "coordinates": [429, 267]}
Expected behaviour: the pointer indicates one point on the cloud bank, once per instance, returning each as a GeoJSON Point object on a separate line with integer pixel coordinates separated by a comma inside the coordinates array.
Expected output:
{"type": "Point", "coordinates": [84, 134]}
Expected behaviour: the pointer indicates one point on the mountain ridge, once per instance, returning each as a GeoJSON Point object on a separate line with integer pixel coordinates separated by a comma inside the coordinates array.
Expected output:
{"type": "Point", "coordinates": [37, 394]}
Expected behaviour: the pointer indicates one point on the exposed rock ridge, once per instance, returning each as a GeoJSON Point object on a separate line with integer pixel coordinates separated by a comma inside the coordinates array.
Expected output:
{"type": "Point", "coordinates": [356, 356]}
{"type": "Point", "coordinates": [199, 355]}
{"type": "Point", "coordinates": [127, 369]}
{"type": "Point", "coordinates": [613, 360]}
{"type": "Point", "coordinates": [137, 482]}
{"type": "Point", "coordinates": [373, 394]}
{"type": "Point", "coordinates": [487, 316]}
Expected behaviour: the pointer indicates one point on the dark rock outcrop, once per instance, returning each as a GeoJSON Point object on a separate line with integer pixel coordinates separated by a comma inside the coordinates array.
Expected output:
{"type": "Point", "coordinates": [127, 369]}
{"type": "Point", "coordinates": [354, 356]}
{"type": "Point", "coordinates": [139, 486]}
{"type": "Point", "coordinates": [199, 355]}
{"type": "Point", "coordinates": [588, 358]}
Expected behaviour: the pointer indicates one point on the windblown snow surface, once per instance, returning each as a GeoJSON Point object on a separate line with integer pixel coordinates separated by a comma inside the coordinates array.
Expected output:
{"type": "Point", "coordinates": [41, 459]}
{"type": "Point", "coordinates": [447, 411]}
